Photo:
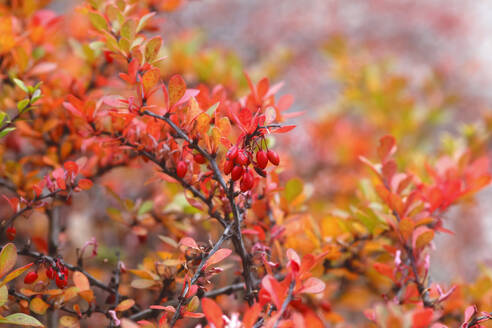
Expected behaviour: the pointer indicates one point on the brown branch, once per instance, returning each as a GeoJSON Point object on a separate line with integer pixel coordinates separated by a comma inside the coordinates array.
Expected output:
{"type": "Point", "coordinates": [286, 302]}
{"type": "Point", "coordinates": [227, 290]}
{"type": "Point", "coordinates": [52, 261]}
{"type": "Point", "coordinates": [226, 234]}
{"type": "Point", "coordinates": [29, 206]}
{"type": "Point", "coordinates": [237, 237]}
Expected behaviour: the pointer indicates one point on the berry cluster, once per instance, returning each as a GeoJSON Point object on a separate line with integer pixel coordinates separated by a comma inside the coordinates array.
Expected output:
{"type": "Point", "coordinates": [238, 160]}
{"type": "Point", "coordinates": [58, 273]}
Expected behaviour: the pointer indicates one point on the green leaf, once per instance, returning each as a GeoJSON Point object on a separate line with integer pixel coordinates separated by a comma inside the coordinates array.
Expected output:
{"type": "Point", "coordinates": [293, 188]}
{"type": "Point", "coordinates": [3, 115]}
{"type": "Point", "coordinates": [21, 319]}
{"type": "Point", "coordinates": [98, 21]}
{"type": "Point", "coordinates": [21, 85]}
{"type": "Point", "coordinates": [4, 295]}
{"type": "Point", "coordinates": [21, 105]}
{"type": "Point", "coordinates": [212, 108]}
{"type": "Point", "coordinates": [8, 257]}
{"type": "Point", "coordinates": [143, 20]}
{"type": "Point", "coordinates": [36, 96]}
{"type": "Point", "coordinates": [6, 131]}
{"type": "Point", "coordinates": [146, 207]}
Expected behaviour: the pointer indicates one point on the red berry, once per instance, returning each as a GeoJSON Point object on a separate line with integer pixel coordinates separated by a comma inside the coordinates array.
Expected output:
{"type": "Point", "coordinates": [199, 158]}
{"type": "Point", "coordinates": [237, 172]}
{"type": "Point", "coordinates": [242, 158]}
{"type": "Point", "coordinates": [61, 282]}
{"type": "Point", "coordinates": [232, 153]}
{"type": "Point", "coordinates": [50, 273]}
{"type": "Point", "coordinates": [11, 232]}
{"type": "Point", "coordinates": [228, 165]}
{"type": "Point", "coordinates": [261, 159]}
{"type": "Point", "coordinates": [181, 169]}
{"type": "Point", "coordinates": [30, 277]}
{"type": "Point", "coordinates": [247, 181]}
{"type": "Point", "coordinates": [273, 157]}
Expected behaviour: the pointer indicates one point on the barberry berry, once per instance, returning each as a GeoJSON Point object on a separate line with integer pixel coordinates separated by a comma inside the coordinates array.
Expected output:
{"type": "Point", "coordinates": [261, 159]}
{"type": "Point", "coordinates": [273, 157]}
{"type": "Point", "coordinates": [237, 172]}
{"type": "Point", "coordinates": [181, 169]}
{"type": "Point", "coordinates": [30, 277]}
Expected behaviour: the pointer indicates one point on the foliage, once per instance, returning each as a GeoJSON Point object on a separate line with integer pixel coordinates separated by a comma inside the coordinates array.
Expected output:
{"type": "Point", "coordinates": [198, 215]}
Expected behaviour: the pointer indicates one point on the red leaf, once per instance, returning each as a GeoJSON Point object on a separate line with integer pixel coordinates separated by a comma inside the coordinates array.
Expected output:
{"type": "Point", "coordinates": [189, 242]}
{"type": "Point", "coordinates": [285, 102]}
{"type": "Point", "coordinates": [422, 318]}
{"type": "Point", "coordinates": [168, 308]}
{"type": "Point", "coordinates": [212, 312]}
{"type": "Point", "coordinates": [218, 256]}
{"type": "Point", "coordinates": [384, 269]}
{"type": "Point", "coordinates": [387, 147]}
{"type": "Point", "coordinates": [85, 184]}
{"type": "Point", "coordinates": [312, 286]}
{"type": "Point", "coordinates": [251, 315]}
{"type": "Point", "coordinates": [193, 315]}
{"type": "Point", "coordinates": [285, 128]}
{"type": "Point", "coordinates": [273, 287]}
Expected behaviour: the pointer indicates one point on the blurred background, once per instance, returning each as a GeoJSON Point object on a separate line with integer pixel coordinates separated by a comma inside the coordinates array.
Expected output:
{"type": "Point", "coordinates": [359, 69]}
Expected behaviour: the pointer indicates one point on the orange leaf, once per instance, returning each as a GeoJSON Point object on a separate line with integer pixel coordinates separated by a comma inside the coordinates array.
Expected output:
{"type": "Point", "coordinates": [218, 256]}
{"type": "Point", "coordinates": [387, 147]}
{"type": "Point", "coordinates": [177, 88]}
{"type": "Point", "coordinates": [125, 305]}
{"type": "Point", "coordinates": [81, 281]}
{"type": "Point", "coordinates": [251, 315]}
{"type": "Point", "coordinates": [85, 184]}
{"type": "Point", "coordinates": [212, 312]}
{"type": "Point", "coordinates": [150, 80]}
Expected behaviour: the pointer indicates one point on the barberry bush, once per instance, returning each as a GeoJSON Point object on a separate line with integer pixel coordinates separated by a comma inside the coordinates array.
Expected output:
{"type": "Point", "coordinates": [144, 185]}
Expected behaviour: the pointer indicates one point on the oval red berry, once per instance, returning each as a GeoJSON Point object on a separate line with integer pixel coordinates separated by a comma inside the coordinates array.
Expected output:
{"type": "Point", "coordinates": [228, 165]}
{"type": "Point", "coordinates": [273, 157]}
{"type": "Point", "coordinates": [30, 277]}
{"type": "Point", "coordinates": [237, 172]}
{"type": "Point", "coordinates": [181, 169]}
{"type": "Point", "coordinates": [261, 159]}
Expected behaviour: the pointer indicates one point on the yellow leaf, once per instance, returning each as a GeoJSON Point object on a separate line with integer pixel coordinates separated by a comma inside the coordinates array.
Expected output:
{"type": "Point", "coordinates": [8, 257]}
{"type": "Point", "coordinates": [125, 305]}
{"type": "Point", "coordinates": [38, 306]}
{"type": "Point", "coordinates": [4, 295]}
{"type": "Point", "coordinates": [67, 321]}
{"type": "Point", "coordinates": [87, 295]}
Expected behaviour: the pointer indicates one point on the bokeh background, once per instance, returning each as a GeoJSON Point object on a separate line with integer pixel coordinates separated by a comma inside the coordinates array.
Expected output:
{"type": "Point", "coordinates": [428, 59]}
